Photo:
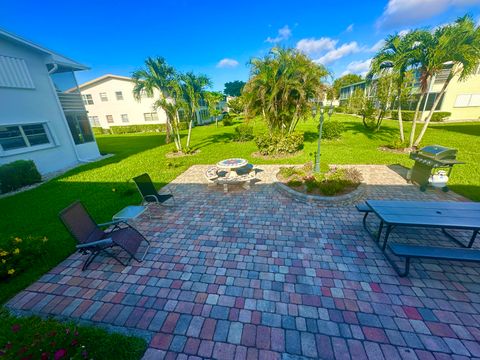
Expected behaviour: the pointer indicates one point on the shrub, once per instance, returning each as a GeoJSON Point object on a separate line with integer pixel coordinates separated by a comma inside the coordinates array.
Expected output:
{"type": "Point", "coordinates": [243, 132]}
{"type": "Point", "coordinates": [18, 174]}
{"type": "Point", "coordinates": [18, 254]}
{"type": "Point", "coordinates": [439, 116]}
{"type": "Point", "coordinates": [279, 144]}
{"type": "Point", "coordinates": [332, 130]}
{"type": "Point", "coordinates": [183, 125]}
{"type": "Point", "coordinates": [128, 129]}
{"type": "Point", "coordinates": [339, 109]}
{"type": "Point", "coordinates": [396, 144]}
{"type": "Point", "coordinates": [97, 130]}
{"type": "Point", "coordinates": [227, 120]}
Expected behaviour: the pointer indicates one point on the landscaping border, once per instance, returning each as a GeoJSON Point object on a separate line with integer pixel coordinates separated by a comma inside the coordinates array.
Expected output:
{"type": "Point", "coordinates": [345, 199]}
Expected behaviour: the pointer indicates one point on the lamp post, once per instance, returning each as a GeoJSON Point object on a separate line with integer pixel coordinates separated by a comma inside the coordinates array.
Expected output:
{"type": "Point", "coordinates": [315, 111]}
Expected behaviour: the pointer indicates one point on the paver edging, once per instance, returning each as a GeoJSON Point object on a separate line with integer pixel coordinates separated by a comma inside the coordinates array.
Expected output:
{"type": "Point", "coordinates": [345, 199]}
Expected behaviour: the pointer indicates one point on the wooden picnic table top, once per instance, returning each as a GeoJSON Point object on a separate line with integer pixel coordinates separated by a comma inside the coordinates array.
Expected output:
{"type": "Point", "coordinates": [453, 215]}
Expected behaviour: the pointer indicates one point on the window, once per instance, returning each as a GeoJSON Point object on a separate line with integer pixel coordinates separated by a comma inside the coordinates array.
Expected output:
{"type": "Point", "coordinates": [467, 100]}
{"type": "Point", "coordinates": [21, 136]}
{"type": "Point", "coordinates": [109, 119]}
{"type": "Point", "coordinates": [94, 120]}
{"type": "Point", "coordinates": [87, 99]}
{"type": "Point", "coordinates": [79, 127]}
{"type": "Point", "coordinates": [124, 118]}
{"type": "Point", "coordinates": [150, 116]}
{"type": "Point", "coordinates": [119, 95]}
{"type": "Point", "coordinates": [103, 96]}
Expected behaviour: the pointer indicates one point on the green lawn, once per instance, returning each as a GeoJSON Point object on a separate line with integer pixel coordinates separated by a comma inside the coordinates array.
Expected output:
{"type": "Point", "coordinates": [105, 187]}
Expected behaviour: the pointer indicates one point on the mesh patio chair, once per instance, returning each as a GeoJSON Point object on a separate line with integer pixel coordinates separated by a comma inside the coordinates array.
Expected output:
{"type": "Point", "coordinates": [149, 193]}
{"type": "Point", "coordinates": [93, 240]}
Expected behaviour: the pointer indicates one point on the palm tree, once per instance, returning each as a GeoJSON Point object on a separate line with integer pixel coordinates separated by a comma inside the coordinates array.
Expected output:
{"type": "Point", "coordinates": [281, 87]}
{"type": "Point", "coordinates": [458, 45]}
{"type": "Point", "coordinates": [193, 88]}
{"type": "Point", "coordinates": [395, 54]}
{"type": "Point", "coordinates": [156, 75]}
{"type": "Point", "coordinates": [213, 99]}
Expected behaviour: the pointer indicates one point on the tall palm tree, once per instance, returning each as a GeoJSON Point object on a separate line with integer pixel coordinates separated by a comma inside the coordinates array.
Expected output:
{"type": "Point", "coordinates": [156, 75]}
{"type": "Point", "coordinates": [396, 54]}
{"type": "Point", "coordinates": [213, 99]}
{"type": "Point", "coordinates": [457, 44]}
{"type": "Point", "coordinates": [193, 88]}
{"type": "Point", "coordinates": [281, 87]}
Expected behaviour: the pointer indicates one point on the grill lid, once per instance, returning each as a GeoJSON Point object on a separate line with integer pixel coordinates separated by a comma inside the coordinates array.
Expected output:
{"type": "Point", "coordinates": [438, 152]}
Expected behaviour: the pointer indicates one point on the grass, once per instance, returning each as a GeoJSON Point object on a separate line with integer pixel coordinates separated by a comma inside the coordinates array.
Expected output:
{"type": "Point", "coordinates": [36, 336]}
{"type": "Point", "coordinates": [105, 187]}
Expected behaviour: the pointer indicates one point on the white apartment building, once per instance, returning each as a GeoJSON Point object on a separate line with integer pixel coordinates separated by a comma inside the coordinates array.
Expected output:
{"type": "Point", "coordinates": [42, 117]}
{"type": "Point", "coordinates": [109, 101]}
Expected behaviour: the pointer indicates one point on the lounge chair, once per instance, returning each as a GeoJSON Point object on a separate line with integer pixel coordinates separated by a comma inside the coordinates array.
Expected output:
{"type": "Point", "coordinates": [93, 240]}
{"type": "Point", "coordinates": [149, 193]}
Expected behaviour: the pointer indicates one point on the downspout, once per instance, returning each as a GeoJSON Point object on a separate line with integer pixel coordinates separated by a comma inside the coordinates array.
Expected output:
{"type": "Point", "coordinates": [50, 72]}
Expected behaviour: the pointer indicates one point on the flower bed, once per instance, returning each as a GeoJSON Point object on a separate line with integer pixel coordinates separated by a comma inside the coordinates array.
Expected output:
{"type": "Point", "coordinates": [336, 185]}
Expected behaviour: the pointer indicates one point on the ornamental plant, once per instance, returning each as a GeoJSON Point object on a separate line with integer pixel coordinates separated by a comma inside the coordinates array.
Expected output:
{"type": "Point", "coordinates": [18, 253]}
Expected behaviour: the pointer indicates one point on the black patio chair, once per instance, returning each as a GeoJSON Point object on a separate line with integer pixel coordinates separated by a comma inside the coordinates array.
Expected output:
{"type": "Point", "coordinates": [149, 193]}
{"type": "Point", "coordinates": [93, 240]}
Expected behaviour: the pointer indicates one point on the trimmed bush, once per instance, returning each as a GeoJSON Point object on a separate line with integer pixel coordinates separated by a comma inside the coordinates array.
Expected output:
{"type": "Point", "coordinates": [408, 115]}
{"type": "Point", "coordinates": [128, 129]}
{"type": "Point", "coordinates": [18, 174]}
{"type": "Point", "coordinates": [339, 109]}
{"type": "Point", "coordinates": [183, 125]}
{"type": "Point", "coordinates": [100, 131]}
{"type": "Point", "coordinates": [227, 120]}
{"type": "Point", "coordinates": [279, 144]}
{"type": "Point", "coordinates": [439, 116]}
{"type": "Point", "coordinates": [243, 133]}
{"type": "Point", "coordinates": [332, 130]}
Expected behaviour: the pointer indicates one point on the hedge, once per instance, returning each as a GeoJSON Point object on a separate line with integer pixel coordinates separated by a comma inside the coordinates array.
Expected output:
{"type": "Point", "coordinates": [18, 174]}
{"type": "Point", "coordinates": [127, 129]}
{"type": "Point", "coordinates": [408, 115]}
{"type": "Point", "coordinates": [272, 144]}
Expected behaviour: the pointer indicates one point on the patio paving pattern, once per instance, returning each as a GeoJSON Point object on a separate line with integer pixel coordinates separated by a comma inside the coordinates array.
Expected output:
{"type": "Point", "coordinates": [256, 274]}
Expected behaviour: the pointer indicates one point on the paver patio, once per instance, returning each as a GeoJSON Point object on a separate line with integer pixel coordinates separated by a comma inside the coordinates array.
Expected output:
{"type": "Point", "coordinates": [256, 274]}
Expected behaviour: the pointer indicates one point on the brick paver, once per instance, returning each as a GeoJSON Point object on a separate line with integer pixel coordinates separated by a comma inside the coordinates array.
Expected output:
{"type": "Point", "coordinates": [256, 274]}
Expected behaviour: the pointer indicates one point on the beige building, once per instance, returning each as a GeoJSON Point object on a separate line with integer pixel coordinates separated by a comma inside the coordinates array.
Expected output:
{"type": "Point", "coordinates": [461, 99]}
{"type": "Point", "coordinates": [109, 101]}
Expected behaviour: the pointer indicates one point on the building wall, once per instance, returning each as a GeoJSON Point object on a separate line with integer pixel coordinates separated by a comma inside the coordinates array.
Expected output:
{"type": "Point", "coordinates": [37, 105]}
{"type": "Point", "coordinates": [468, 87]}
{"type": "Point", "coordinates": [134, 109]}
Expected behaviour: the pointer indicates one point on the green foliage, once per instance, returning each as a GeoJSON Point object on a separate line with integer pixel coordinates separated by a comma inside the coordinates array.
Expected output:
{"type": "Point", "coordinates": [356, 101]}
{"type": "Point", "coordinates": [281, 87]}
{"type": "Point", "coordinates": [342, 81]}
{"type": "Point", "coordinates": [35, 338]}
{"type": "Point", "coordinates": [332, 130]}
{"type": "Point", "coordinates": [273, 144]}
{"type": "Point", "coordinates": [227, 120]}
{"type": "Point", "coordinates": [18, 254]}
{"type": "Point", "coordinates": [243, 132]}
{"type": "Point", "coordinates": [18, 174]}
{"type": "Point", "coordinates": [97, 130]}
{"type": "Point", "coordinates": [234, 88]}
{"type": "Point", "coordinates": [397, 144]}
{"type": "Point", "coordinates": [437, 116]}
{"type": "Point", "coordinates": [182, 125]}
{"type": "Point", "coordinates": [128, 129]}
{"type": "Point", "coordinates": [236, 105]}
{"type": "Point", "coordinates": [340, 109]}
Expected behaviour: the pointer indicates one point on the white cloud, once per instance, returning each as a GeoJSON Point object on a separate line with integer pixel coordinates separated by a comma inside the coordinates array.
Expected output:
{"type": "Point", "coordinates": [349, 28]}
{"type": "Point", "coordinates": [409, 12]}
{"type": "Point", "coordinates": [358, 67]}
{"type": "Point", "coordinates": [315, 46]}
{"type": "Point", "coordinates": [227, 63]}
{"type": "Point", "coordinates": [338, 53]}
{"type": "Point", "coordinates": [377, 46]}
{"type": "Point", "coordinates": [283, 34]}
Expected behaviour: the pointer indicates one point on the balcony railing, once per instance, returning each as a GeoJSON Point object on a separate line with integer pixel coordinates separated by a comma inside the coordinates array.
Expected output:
{"type": "Point", "coordinates": [71, 102]}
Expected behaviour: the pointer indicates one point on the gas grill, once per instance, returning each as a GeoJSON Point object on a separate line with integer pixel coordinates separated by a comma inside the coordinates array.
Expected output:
{"type": "Point", "coordinates": [429, 158]}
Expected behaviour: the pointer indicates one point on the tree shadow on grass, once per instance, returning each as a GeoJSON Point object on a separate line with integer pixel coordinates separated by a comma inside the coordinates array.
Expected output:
{"type": "Point", "coordinates": [468, 129]}
{"type": "Point", "coordinates": [223, 138]}
{"type": "Point", "coordinates": [384, 134]}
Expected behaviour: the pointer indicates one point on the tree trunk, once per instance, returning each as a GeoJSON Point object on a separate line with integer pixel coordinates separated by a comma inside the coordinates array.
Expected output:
{"type": "Point", "coordinates": [429, 117]}
{"type": "Point", "coordinates": [414, 120]}
{"type": "Point", "coordinates": [400, 122]}
{"type": "Point", "coordinates": [216, 121]}
{"type": "Point", "coordinates": [167, 132]}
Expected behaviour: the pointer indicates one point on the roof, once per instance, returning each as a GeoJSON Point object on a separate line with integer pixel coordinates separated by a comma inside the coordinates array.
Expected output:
{"type": "Point", "coordinates": [56, 57]}
{"type": "Point", "coordinates": [102, 79]}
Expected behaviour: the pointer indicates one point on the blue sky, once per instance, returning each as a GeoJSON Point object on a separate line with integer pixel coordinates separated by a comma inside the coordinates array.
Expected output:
{"type": "Point", "coordinates": [219, 37]}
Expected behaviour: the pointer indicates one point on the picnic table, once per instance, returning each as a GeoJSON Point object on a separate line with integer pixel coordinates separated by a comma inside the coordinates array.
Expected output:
{"type": "Point", "coordinates": [439, 214]}
{"type": "Point", "coordinates": [231, 165]}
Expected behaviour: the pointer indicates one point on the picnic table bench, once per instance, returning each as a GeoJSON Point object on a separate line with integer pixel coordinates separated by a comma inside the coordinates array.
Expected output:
{"type": "Point", "coordinates": [442, 215]}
